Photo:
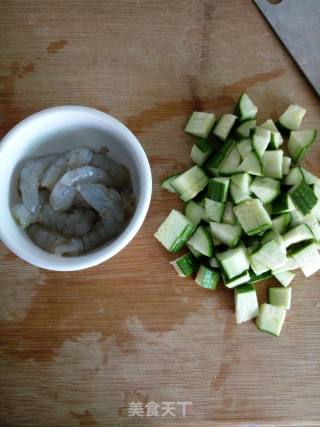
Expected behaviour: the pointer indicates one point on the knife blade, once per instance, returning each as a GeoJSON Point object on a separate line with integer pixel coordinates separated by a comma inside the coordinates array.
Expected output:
{"type": "Point", "coordinates": [297, 24]}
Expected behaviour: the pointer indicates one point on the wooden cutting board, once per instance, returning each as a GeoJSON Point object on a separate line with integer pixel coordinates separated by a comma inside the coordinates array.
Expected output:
{"type": "Point", "coordinates": [77, 348]}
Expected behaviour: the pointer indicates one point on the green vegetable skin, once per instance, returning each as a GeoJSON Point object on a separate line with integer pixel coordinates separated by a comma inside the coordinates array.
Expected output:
{"type": "Point", "coordinates": [215, 162]}
{"type": "Point", "coordinates": [175, 231]}
{"type": "Point", "coordinates": [218, 189]}
{"type": "Point", "coordinates": [185, 265]}
{"type": "Point", "coordinates": [250, 213]}
{"type": "Point", "coordinates": [166, 182]}
{"type": "Point", "coordinates": [207, 278]}
{"type": "Point", "coordinates": [303, 198]}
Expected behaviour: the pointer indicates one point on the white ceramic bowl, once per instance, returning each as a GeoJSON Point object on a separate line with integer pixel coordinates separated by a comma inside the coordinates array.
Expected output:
{"type": "Point", "coordinates": [57, 130]}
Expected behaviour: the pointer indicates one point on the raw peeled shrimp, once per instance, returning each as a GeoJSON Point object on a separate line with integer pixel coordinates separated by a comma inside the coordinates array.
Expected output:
{"type": "Point", "coordinates": [80, 156]}
{"type": "Point", "coordinates": [72, 247]}
{"type": "Point", "coordinates": [106, 201]}
{"type": "Point", "coordinates": [46, 238]}
{"type": "Point", "coordinates": [30, 176]}
{"type": "Point", "coordinates": [73, 159]}
{"type": "Point", "coordinates": [69, 224]}
{"type": "Point", "coordinates": [54, 173]}
{"type": "Point", "coordinates": [101, 233]}
{"type": "Point", "coordinates": [23, 215]}
{"type": "Point", "coordinates": [119, 174]}
{"type": "Point", "coordinates": [109, 205]}
{"type": "Point", "coordinates": [64, 191]}
{"type": "Point", "coordinates": [74, 178]}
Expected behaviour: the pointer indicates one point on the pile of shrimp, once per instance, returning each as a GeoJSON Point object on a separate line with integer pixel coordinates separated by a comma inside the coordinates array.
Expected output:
{"type": "Point", "coordinates": [74, 202]}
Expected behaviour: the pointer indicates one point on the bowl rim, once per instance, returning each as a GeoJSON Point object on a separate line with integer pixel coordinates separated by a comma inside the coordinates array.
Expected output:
{"type": "Point", "coordinates": [124, 238]}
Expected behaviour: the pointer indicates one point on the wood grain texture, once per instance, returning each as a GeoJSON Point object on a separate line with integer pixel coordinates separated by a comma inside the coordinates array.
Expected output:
{"type": "Point", "coordinates": [76, 348]}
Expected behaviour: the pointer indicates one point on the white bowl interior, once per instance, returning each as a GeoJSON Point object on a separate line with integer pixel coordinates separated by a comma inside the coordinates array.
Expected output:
{"type": "Point", "coordinates": [58, 130]}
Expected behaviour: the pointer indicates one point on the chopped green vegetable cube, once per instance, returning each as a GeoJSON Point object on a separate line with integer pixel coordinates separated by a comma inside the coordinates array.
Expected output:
{"type": "Point", "coordinates": [271, 319]}
{"type": "Point", "coordinates": [215, 162]}
{"type": "Point", "coordinates": [299, 143]}
{"type": "Point", "coordinates": [246, 303]}
{"type": "Point", "coordinates": [224, 126]}
{"type": "Point", "coordinates": [252, 216]}
{"type": "Point", "coordinates": [252, 164]}
{"type": "Point", "coordinates": [194, 212]}
{"type": "Point", "coordinates": [201, 151]}
{"type": "Point", "coordinates": [233, 261]}
{"type": "Point", "coordinates": [218, 189]}
{"type": "Point", "coordinates": [244, 130]}
{"type": "Point", "coordinates": [189, 183]}
{"type": "Point", "coordinates": [266, 189]}
{"type": "Point", "coordinates": [280, 297]}
{"type": "Point", "coordinates": [270, 254]}
{"type": "Point", "coordinates": [231, 162]}
{"type": "Point", "coordinates": [297, 234]}
{"type": "Point", "coordinates": [285, 278]}
{"type": "Point", "coordinates": [213, 211]}
{"type": "Point", "coordinates": [275, 139]}
{"type": "Point", "coordinates": [272, 162]}
{"type": "Point", "coordinates": [185, 265]}
{"type": "Point", "coordinates": [294, 176]}
{"type": "Point", "coordinates": [175, 231]}
{"type": "Point", "coordinates": [194, 252]}
{"type": "Point", "coordinates": [308, 258]}
{"type": "Point", "coordinates": [166, 182]}
{"type": "Point", "coordinates": [207, 278]}
{"type": "Point", "coordinates": [229, 234]}
{"type": "Point", "coordinates": [245, 108]}
{"type": "Point", "coordinates": [200, 124]}
{"type": "Point", "coordinates": [240, 187]}
{"type": "Point", "coordinates": [290, 264]}
{"type": "Point", "coordinates": [201, 241]}
{"type": "Point", "coordinates": [303, 198]}
{"type": "Point", "coordinates": [291, 118]}
{"type": "Point", "coordinates": [260, 140]}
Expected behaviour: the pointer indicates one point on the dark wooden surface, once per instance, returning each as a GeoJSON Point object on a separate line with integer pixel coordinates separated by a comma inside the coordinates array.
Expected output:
{"type": "Point", "coordinates": [76, 348]}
